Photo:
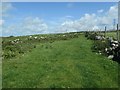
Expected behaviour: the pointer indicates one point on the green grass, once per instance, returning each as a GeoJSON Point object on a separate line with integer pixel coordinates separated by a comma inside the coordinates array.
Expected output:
{"type": "Point", "coordinates": [61, 64]}
{"type": "Point", "coordinates": [112, 34]}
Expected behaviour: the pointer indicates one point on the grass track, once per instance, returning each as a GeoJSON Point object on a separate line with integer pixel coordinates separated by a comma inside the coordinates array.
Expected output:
{"type": "Point", "coordinates": [59, 64]}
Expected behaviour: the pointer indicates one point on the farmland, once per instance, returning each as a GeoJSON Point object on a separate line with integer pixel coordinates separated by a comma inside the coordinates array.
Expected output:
{"type": "Point", "coordinates": [57, 61]}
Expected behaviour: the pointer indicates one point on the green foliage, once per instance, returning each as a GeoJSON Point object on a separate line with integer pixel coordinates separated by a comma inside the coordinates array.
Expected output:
{"type": "Point", "coordinates": [100, 45]}
{"type": "Point", "coordinates": [90, 35]}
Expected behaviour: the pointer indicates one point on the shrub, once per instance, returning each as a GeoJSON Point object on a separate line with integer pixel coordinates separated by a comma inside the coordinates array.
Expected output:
{"type": "Point", "coordinates": [87, 34]}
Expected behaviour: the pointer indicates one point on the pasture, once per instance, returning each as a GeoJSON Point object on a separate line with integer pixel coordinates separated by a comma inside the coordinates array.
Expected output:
{"type": "Point", "coordinates": [112, 34]}
{"type": "Point", "coordinates": [60, 61]}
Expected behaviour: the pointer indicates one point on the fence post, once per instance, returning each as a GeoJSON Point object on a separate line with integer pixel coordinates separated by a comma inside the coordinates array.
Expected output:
{"type": "Point", "coordinates": [117, 33]}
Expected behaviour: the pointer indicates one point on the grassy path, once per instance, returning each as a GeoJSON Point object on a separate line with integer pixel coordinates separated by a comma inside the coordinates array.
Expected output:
{"type": "Point", "coordinates": [63, 64]}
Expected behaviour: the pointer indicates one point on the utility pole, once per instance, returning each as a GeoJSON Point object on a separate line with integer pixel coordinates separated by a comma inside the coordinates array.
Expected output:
{"type": "Point", "coordinates": [114, 22]}
{"type": "Point", "coordinates": [105, 31]}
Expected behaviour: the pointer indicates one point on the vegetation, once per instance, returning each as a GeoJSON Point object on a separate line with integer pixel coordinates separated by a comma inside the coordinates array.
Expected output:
{"type": "Point", "coordinates": [59, 61]}
{"type": "Point", "coordinates": [14, 46]}
{"type": "Point", "coordinates": [112, 34]}
{"type": "Point", "coordinates": [107, 45]}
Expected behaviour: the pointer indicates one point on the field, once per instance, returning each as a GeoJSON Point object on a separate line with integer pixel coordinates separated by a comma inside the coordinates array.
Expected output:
{"type": "Point", "coordinates": [112, 34]}
{"type": "Point", "coordinates": [59, 64]}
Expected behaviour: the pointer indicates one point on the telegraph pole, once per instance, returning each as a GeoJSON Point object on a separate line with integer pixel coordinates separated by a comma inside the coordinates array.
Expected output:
{"type": "Point", "coordinates": [105, 31]}
{"type": "Point", "coordinates": [114, 24]}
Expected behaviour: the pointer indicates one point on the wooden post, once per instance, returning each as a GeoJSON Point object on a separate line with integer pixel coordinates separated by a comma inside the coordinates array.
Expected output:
{"type": "Point", "coordinates": [117, 32]}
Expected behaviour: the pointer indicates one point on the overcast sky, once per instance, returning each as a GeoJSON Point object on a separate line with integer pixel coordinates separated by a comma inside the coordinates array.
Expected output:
{"type": "Point", "coordinates": [25, 18]}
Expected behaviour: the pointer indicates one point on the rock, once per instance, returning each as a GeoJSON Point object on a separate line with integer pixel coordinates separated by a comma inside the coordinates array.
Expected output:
{"type": "Point", "coordinates": [110, 57]}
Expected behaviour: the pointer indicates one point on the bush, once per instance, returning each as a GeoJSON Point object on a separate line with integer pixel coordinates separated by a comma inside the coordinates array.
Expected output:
{"type": "Point", "coordinates": [100, 45]}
